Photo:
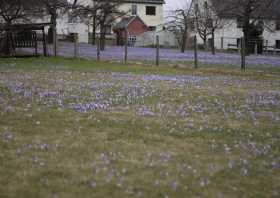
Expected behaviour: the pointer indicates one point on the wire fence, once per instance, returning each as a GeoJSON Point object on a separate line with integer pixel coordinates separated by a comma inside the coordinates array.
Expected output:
{"type": "Point", "coordinates": [159, 48]}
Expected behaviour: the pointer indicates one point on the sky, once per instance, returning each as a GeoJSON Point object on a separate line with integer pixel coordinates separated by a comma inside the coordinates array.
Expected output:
{"type": "Point", "coordinates": [174, 4]}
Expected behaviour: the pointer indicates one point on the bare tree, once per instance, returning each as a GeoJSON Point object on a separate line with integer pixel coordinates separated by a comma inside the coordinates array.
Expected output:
{"type": "Point", "coordinates": [102, 13]}
{"type": "Point", "coordinates": [108, 13]}
{"type": "Point", "coordinates": [180, 23]}
{"type": "Point", "coordinates": [13, 10]}
{"type": "Point", "coordinates": [207, 22]}
{"type": "Point", "coordinates": [53, 8]}
{"type": "Point", "coordinates": [88, 12]}
{"type": "Point", "coordinates": [251, 13]}
{"type": "Point", "coordinates": [202, 20]}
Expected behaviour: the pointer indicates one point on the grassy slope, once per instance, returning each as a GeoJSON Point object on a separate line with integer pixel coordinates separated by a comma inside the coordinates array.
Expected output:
{"type": "Point", "coordinates": [135, 144]}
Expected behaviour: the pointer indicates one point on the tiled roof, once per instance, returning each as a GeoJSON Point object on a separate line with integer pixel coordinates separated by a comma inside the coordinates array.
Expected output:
{"type": "Point", "coordinates": [123, 24]}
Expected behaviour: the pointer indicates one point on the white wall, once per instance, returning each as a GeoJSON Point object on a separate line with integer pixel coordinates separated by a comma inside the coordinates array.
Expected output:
{"type": "Point", "coordinates": [166, 39]}
{"type": "Point", "coordinates": [156, 20]}
{"type": "Point", "coordinates": [230, 32]}
{"type": "Point", "coordinates": [83, 29]}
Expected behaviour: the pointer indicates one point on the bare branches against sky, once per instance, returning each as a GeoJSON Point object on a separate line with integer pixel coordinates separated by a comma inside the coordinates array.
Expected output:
{"type": "Point", "coordinates": [173, 4]}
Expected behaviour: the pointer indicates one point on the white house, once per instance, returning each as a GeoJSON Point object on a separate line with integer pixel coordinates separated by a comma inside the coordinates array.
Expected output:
{"type": "Point", "coordinates": [150, 11]}
{"type": "Point", "coordinates": [231, 32]}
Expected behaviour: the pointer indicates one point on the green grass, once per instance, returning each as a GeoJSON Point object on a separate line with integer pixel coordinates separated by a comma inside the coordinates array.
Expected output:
{"type": "Point", "coordinates": [215, 137]}
{"type": "Point", "coordinates": [135, 66]}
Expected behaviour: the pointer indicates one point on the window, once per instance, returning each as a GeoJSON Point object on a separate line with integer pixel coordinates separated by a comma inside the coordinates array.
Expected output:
{"type": "Point", "coordinates": [151, 10]}
{"type": "Point", "coordinates": [131, 40]}
{"type": "Point", "coordinates": [239, 22]}
{"type": "Point", "coordinates": [277, 44]}
{"type": "Point", "coordinates": [238, 42]}
{"type": "Point", "coordinates": [277, 25]}
{"type": "Point", "coordinates": [134, 9]}
{"type": "Point", "coordinates": [152, 28]}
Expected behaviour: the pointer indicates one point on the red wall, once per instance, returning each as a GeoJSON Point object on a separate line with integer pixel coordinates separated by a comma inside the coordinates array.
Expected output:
{"type": "Point", "coordinates": [137, 27]}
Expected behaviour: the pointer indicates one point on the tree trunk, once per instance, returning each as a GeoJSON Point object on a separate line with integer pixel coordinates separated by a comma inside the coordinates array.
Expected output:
{"type": "Point", "coordinates": [52, 29]}
{"type": "Point", "coordinates": [94, 30]}
{"type": "Point", "coordinates": [213, 43]}
{"type": "Point", "coordinates": [205, 43]}
{"type": "Point", "coordinates": [246, 33]}
{"type": "Point", "coordinates": [54, 33]}
{"type": "Point", "coordinates": [102, 37]}
{"type": "Point", "coordinates": [184, 41]}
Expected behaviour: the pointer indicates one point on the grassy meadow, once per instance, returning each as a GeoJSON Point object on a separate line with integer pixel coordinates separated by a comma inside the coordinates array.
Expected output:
{"type": "Point", "coordinates": [78, 128]}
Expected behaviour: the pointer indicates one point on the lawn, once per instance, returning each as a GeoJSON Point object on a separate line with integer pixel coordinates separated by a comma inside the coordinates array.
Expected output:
{"type": "Point", "coordinates": [78, 128]}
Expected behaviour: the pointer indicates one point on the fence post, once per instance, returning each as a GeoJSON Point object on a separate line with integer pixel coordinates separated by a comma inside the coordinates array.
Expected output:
{"type": "Point", "coordinates": [54, 41]}
{"type": "Point", "coordinates": [36, 46]}
{"type": "Point", "coordinates": [157, 50]}
{"type": "Point", "coordinates": [76, 50]}
{"type": "Point", "coordinates": [195, 53]}
{"type": "Point", "coordinates": [222, 43]}
{"type": "Point", "coordinates": [125, 49]}
{"type": "Point", "coordinates": [256, 48]}
{"type": "Point", "coordinates": [243, 57]}
{"type": "Point", "coordinates": [98, 50]}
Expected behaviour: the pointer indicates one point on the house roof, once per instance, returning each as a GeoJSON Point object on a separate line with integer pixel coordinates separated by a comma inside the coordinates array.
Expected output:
{"type": "Point", "coordinates": [31, 26]}
{"type": "Point", "coordinates": [124, 23]}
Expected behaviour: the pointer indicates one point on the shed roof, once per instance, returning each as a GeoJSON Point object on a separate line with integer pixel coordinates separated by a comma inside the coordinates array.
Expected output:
{"type": "Point", "coordinates": [123, 24]}
{"type": "Point", "coordinates": [31, 26]}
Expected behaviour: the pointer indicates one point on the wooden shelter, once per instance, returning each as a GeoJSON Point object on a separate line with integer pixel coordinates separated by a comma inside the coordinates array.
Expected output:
{"type": "Point", "coordinates": [128, 29]}
{"type": "Point", "coordinates": [24, 36]}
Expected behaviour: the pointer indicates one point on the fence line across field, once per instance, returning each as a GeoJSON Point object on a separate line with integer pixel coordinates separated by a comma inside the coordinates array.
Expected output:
{"type": "Point", "coordinates": [156, 50]}
{"type": "Point", "coordinates": [155, 45]}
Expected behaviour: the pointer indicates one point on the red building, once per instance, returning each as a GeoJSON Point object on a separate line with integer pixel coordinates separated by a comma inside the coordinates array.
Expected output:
{"type": "Point", "coordinates": [130, 28]}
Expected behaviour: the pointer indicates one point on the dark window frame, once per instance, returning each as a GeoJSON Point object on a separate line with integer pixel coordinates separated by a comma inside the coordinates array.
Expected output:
{"type": "Point", "coordinates": [277, 44]}
{"type": "Point", "coordinates": [151, 10]}
{"type": "Point", "coordinates": [239, 22]}
{"type": "Point", "coordinates": [152, 28]}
